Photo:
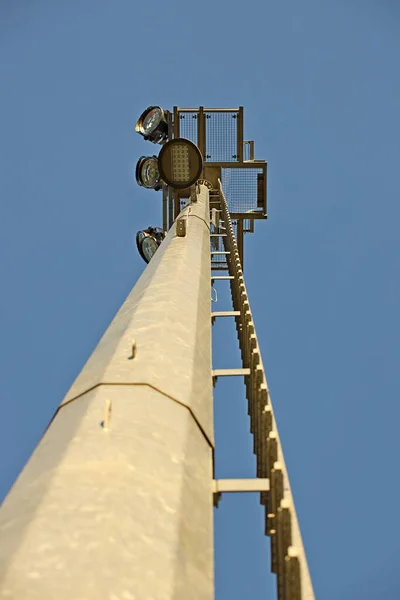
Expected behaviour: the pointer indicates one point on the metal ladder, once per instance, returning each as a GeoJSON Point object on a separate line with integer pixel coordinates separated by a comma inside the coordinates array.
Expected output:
{"type": "Point", "coordinates": [288, 559]}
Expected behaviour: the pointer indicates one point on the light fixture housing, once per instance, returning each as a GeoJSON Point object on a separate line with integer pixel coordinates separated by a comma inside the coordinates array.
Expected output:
{"type": "Point", "coordinates": [180, 163]}
{"type": "Point", "coordinates": [153, 124]}
{"type": "Point", "coordinates": [147, 173]}
{"type": "Point", "coordinates": [148, 241]}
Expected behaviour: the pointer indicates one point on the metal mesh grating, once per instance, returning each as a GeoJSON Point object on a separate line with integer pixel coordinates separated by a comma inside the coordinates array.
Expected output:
{"type": "Point", "coordinates": [188, 126]}
{"type": "Point", "coordinates": [240, 188]}
{"type": "Point", "coordinates": [218, 261]}
{"type": "Point", "coordinates": [221, 137]}
{"type": "Point", "coordinates": [248, 225]}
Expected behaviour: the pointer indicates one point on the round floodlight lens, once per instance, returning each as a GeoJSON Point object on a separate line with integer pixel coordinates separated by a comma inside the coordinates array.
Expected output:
{"type": "Point", "coordinates": [152, 120]}
{"type": "Point", "coordinates": [149, 248]}
{"type": "Point", "coordinates": [153, 124]}
{"type": "Point", "coordinates": [150, 174]}
{"type": "Point", "coordinates": [180, 163]}
{"type": "Point", "coordinates": [147, 172]}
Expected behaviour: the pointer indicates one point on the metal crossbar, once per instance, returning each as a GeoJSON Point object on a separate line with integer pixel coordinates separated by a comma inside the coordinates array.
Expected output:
{"type": "Point", "coordinates": [223, 486]}
{"type": "Point", "coordinates": [230, 372]}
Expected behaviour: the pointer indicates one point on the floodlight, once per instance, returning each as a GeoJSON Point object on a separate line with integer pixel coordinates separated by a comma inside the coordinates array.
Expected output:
{"type": "Point", "coordinates": [148, 240]}
{"type": "Point", "coordinates": [147, 173]}
{"type": "Point", "coordinates": [180, 163]}
{"type": "Point", "coordinates": [153, 125]}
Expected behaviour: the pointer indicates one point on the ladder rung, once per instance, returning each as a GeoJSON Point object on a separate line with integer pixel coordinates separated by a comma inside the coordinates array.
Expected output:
{"type": "Point", "coordinates": [226, 313]}
{"type": "Point", "coordinates": [217, 234]}
{"type": "Point", "coordinates": [221, 486]}
{"type": "Point", "coordinates": [222, 277]}
{"type": "Point", "coordinates": [230, 372]}
{"type": "Point", "coordinates": [241, 485]}
{"type": "Point", "coordinates": [220, 252]}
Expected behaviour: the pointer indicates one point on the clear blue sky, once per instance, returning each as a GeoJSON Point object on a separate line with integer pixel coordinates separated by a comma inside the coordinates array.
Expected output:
{"type": "Point", "coordinates": [320, 83]}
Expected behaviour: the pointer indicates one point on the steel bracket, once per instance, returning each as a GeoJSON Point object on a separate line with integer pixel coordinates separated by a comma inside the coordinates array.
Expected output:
{"type": "Point", "coordinates": [223, 486]}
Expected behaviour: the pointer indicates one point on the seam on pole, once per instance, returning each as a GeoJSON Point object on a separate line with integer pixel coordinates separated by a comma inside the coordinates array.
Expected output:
{"type": "Point", "coordinates": [201, 219]}
{"type": "Point", "coordinates": [133, 385]}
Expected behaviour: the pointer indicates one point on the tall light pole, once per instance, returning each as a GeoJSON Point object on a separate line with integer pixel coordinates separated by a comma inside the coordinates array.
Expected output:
{"type": "Point", "coordinates": [116, 501]}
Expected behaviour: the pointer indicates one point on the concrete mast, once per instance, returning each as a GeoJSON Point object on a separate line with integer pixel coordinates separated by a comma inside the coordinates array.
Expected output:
{"type": "Point", "coordinates": [116, 502]}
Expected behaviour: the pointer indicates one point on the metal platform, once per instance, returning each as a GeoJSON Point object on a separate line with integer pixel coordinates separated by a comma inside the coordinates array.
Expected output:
{"type": "Point", "coordinates": [229, 158]}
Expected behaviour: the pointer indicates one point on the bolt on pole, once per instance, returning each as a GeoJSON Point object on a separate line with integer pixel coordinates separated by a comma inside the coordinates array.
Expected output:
{"type": "Point", "coordinates": [116, 501]}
